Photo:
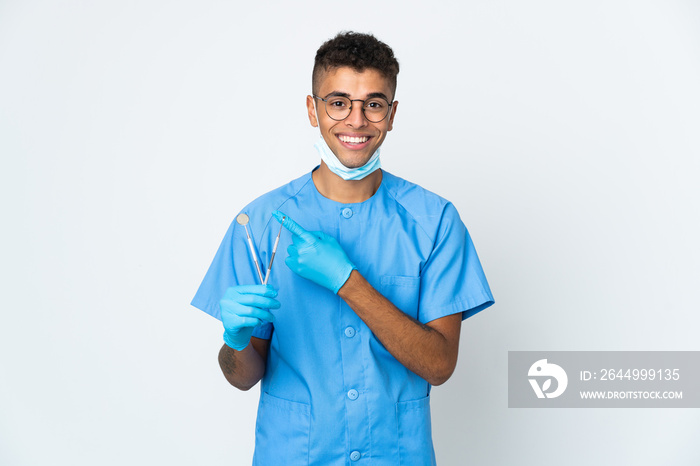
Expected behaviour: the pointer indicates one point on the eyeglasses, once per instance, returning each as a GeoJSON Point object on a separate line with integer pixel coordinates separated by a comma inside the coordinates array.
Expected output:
{"type": "Point", "coordinates": [338, 107]}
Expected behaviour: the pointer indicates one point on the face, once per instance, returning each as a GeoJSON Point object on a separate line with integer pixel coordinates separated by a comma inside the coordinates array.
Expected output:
{"type": "Point", "coordinates": [354, 139]}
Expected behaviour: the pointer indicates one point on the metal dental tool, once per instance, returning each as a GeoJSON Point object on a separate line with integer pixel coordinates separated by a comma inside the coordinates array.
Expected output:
{"type": "Point", "coordinates": [274, 250]}
{"type": "Point", "coordinates": [243, 219]}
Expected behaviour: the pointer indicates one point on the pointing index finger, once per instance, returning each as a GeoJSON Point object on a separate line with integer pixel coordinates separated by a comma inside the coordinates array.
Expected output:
{"type": "Point", "coordinates": [293, 226]}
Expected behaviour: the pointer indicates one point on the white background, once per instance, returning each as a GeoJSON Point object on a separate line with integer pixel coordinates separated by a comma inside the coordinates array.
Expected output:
{"type": "Point", "coordinates": [131, 132]}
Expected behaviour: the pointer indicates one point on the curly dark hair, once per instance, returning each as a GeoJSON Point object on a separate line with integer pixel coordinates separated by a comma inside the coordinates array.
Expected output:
{"type": "Point", "coordinates": [357, 51]}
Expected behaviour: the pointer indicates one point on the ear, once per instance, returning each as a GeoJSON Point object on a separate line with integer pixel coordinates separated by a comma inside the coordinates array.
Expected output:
{"type": "Point", "coordinates": [393, 113]}
{"type": "Point", "coordinates": [310, 111]}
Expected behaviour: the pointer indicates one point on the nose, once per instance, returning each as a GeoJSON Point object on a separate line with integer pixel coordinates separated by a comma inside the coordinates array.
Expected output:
{"type": "Point", "coordinates": [356, 119]}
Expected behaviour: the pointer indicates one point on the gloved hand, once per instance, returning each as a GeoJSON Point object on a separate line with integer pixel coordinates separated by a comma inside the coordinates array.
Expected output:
{"type": "Point", "coordinates": [243, 308]}
{"type": "Point", "coordinates": [316, 256]}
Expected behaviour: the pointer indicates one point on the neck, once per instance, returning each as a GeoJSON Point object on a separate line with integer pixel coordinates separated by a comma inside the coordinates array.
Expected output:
{"type": "Point", "coordinates": [337, 189]}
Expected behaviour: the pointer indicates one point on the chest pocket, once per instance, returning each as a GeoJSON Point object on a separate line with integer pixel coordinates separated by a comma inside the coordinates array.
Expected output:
{"type": "Point", "coordinates": [402, 291]}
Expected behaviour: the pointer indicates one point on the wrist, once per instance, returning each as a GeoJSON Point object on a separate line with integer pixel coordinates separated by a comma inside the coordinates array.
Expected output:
{"type": "Point", "coordinates": [234, 343]}
{"type": "Point", "coordinates": [349, 284]}
{"type": "Point", "coordinates": [344, 277]}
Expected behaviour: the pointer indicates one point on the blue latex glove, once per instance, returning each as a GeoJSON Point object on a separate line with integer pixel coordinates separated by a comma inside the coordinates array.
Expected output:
{"type": "Point", "coordinates": [243, 308]}
{"type": "Point", "coordinates": [316, 256]}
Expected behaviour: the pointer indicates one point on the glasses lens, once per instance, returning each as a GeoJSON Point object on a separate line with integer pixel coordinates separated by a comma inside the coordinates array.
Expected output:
{"type": "Point", "coordinates": [338, 108]}
{"type": "Point", "coordinates": [376, 109]}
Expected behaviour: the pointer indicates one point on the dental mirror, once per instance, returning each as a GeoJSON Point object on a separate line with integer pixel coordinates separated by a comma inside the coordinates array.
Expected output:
{"type": "Point", "coordinates": [242, 219]}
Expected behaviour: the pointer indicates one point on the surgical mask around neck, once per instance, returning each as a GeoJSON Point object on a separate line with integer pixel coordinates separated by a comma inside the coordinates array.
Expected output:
{"type": "Point", "coordinates": [338, 168]}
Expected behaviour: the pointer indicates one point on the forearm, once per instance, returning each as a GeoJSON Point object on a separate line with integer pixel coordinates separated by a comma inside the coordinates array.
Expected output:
{"type": "Point", "coordinates": [427, 351]}
{"type": "Point", "coordinates": [243, 369]}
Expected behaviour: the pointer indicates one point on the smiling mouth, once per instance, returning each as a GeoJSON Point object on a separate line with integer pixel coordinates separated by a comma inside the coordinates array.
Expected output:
{"type": "Point", "coordinates": [353, 140]}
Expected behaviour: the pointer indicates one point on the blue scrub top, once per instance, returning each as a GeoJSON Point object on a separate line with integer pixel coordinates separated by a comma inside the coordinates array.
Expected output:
{"type": "Point", "coordinates": [332, 394]}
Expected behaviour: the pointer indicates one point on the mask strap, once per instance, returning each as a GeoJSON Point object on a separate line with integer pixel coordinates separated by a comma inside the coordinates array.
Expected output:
{"type": "Point", "coordinates": [316, 114]}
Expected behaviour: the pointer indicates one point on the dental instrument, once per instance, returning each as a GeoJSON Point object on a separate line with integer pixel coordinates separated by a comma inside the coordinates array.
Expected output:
{"type": "Point", "coordinates": [243, 219]}
{"type": "Point", "coordinates": [274, 250]}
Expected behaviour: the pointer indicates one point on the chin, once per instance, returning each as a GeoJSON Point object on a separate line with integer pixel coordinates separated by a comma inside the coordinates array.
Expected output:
{"type": "Point", "coordinates": [354, 163]}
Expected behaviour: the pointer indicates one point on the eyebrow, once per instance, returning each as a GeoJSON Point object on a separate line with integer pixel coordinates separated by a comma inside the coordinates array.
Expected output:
{"type": "Point", "coordinates": [371, 95]}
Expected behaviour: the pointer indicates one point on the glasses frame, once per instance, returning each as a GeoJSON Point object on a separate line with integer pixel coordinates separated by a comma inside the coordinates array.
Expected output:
{"type": "Point", "coordinates": [325, 106]}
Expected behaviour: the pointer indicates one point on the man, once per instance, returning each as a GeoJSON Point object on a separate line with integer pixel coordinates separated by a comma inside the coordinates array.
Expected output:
{"type": "Point", "coordinates": [350, 335]}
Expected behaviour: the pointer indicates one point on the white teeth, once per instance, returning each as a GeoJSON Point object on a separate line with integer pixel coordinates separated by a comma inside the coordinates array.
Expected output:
{"type": "Point", "coordinates": [353, 140]}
